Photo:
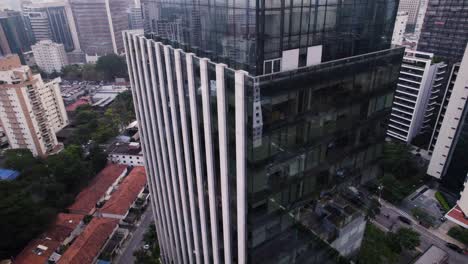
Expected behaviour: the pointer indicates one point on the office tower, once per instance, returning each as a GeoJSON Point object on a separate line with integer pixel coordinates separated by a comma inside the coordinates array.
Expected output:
{"type": "Point", "coordinates": [100, 24]}
{"type": "Point", "coordinates": [444, 30]}
{"type": "Point", "coordinates": [135, 18]}
{"type": "Point", "coordinates": [31, 111]}
{"type": "Point", "coordinates": [39, 24]}
{"type": "Point", "coordinates": [252, 116]}
{"type": "Point", "coordinates": [400, 27]}
{"type": "Point", "coordinates": [50, 56]}
{"type": "Point", "coordinates": [449, 161]}
{"type": "Point", "coordinates": [13, 37]}
{"type": "Point", "coordinates": [53, 20]}
{"type": "Point", "coordinates": [414, 106]}
{"type": "Point", "coordinates": [412, 8]}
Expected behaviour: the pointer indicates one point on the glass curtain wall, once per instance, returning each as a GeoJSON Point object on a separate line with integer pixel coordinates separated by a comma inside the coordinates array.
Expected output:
{"type": "Point", "coordinates": [320, 132]}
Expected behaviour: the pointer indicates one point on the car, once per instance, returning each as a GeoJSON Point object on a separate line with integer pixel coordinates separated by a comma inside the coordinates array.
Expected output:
{"type": "Point", "coordinates": [443, 219]}
{"type": "Point", "coordinates": [404, 220]}
{"type": "Point", "coordinates": [454, 247]}
{"type": "Point", "coordinates": [146, 247]}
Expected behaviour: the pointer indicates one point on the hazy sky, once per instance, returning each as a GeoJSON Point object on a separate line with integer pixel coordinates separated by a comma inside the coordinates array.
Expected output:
{"type": "Point", "coordinates": [10, 4]}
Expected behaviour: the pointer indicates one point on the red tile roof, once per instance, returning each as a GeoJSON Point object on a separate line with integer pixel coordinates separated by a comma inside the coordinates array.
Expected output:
{"type": "Point", "coordinates": [86, 200]}
{"type": "Point", "coordinates": [126, 193]}
{"type": "Point", "coordinates": [52, 239]}
{"type": "Point", "coordinates": [75, 105]}
{"type": "Point", "coordinates": [89, 243]}
{"type": "Point", "coordinates": [456, 215]}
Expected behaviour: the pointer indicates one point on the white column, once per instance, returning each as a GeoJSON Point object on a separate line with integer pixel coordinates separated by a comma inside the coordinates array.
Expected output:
{"type": "Point", "coordinates": [161, 156]}
{"type": "Point", "coordinates": [180, 169]}
{"type": "Point", "coordinates": [210, 174]}
{"type": "Point", "coordinates": [240, 166]}
{"type": "Point", "coordinates": [111, 26]}
{"type": "Point", "coordinates": [149, 128]}
{"type": "Point", "coordinates": [223, 160]}
{"type": "Point", "coordinates": [141, 104]}
{"type": "Point", "coordinates": [187, 156]}
{"type": "Point", "coordinates": [172, 177]}
{"type": "Point", "coordinates": [128, 41]}
{"type": "Point", "coordinates": [197, 154]}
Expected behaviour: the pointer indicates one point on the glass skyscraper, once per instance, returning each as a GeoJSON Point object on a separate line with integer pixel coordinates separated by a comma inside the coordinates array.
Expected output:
{"type": "Point", "coordinates": [252, 111]}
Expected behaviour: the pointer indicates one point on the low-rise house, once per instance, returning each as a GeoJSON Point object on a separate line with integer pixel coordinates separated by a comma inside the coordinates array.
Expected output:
{"type": "Point", "coordinates": [88, 245]}
{"type": "Point", "coordinates": [128, 153]}
{"type": "Point", "coordinates": [125, 196]}
{"type": "Point", "coordinates": [48, 245]}
{"type": "Point", "coordinates": [87, 200]}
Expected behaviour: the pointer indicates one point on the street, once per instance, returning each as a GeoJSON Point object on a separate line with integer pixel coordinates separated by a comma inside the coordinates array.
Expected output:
{"type": "Point", "coordinates": [428, 237]}
{"type": "Point", "coordinates": [136, 239]}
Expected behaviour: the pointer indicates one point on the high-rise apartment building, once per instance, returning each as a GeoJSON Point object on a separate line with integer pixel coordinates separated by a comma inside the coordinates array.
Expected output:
{"type": "Point", "coordinates": [31, 111]}
{"type": "Point", "coordinates": [100, 24]}
{"type": "Point", "coordinates": [412, 8]}
{"type": "Point", "coordinates": [13, 36]}
{"type": "Point", "coordinates": [444, 30]}
{"type": "Point", "coordinates": [53, 20]}
{"type": "Point", "coordinates": [415, 104]}
{"type": "Point", "coordinates": [49, 56]}
{"type": "Point", "coordinates": [449, 161]}
{"type": "Point", "coordinates": [250, 113]}
{"type": "Point", "coordinates": [400, 28]}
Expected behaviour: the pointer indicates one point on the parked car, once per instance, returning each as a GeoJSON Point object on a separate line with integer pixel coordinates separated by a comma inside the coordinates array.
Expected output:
{"type": "Point", "coordinates": [404, 220]}
{"type": "Point", "coordinates": [146, 247]}
{"type": "Point", "coordinates": [454, 247]}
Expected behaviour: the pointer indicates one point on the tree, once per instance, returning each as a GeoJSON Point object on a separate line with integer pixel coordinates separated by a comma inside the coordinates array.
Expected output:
{"type": "Point", "coordinates": [373, 208]}
{"type": "Point", "coordinates": [72, 72]}
{"type": "Point", "coordinates": [397, 159]}
{"type": "Point", "coordinates": [408, 238]}
{"type": "Point", "coordinates": [90, 73]}
{"type": "Point", "coordinates": [19, 159]}
{"type": "Point", "coordinates": [97, 158]}
{"type": "Point", "coordinates": [112, 66]}
{"type": "Point", "coordinates": [459, 233]}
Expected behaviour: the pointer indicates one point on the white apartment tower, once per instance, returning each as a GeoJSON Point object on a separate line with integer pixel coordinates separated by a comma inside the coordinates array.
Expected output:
{"type": "Point", "coordinates": [415, 101]}
{"type": "Point", "coordinates": [50, 56]}
{"type": "Point", "coordinates": [31, 111]}
{"type": "Point", "coordinates": [400, 28]}
{"type": "Point", "coordinates": [452, 118]}
{"type": "Point", "coordinates": [412, 8]}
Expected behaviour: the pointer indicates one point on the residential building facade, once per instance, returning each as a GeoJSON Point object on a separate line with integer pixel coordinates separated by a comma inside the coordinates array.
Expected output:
{"type": "Point", "coordinates": [100, 24]}
{"type": "Point", "coordinates": [49, 56]}
{"type": "Point", "coordinates": [31, 111]}
{"type": "Point", "coordinates": [449, 161]}
{"type": "Point", "coordinates": [246, 120]}
{"type": "Point", "coordinates": [400, 28]}
{"type": "Point", "coordinates": [126, 153]}
{"type": "Point", "coordinates": [415, 105]}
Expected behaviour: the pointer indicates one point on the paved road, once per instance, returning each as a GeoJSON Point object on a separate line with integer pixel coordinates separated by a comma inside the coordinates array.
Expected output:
{"type": "Point", "coordinates": [427, 237]}
{"type": "Point", "coordinates": [136, 239]}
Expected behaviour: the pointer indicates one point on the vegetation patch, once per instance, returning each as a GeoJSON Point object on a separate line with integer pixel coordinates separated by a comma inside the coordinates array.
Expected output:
{"type": "Point", "coordinates": [443, 202]}
{"type": "Point", "coordinates": [459, 233]}
{"type": "Point", "coordinates": [381, 247]}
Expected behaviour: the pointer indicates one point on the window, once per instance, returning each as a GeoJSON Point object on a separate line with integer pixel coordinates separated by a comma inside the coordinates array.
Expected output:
{"type": "Point", "coordinates": [271, 66]}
